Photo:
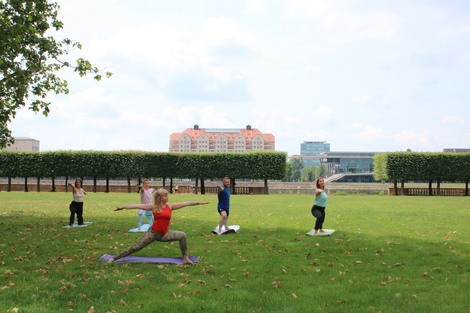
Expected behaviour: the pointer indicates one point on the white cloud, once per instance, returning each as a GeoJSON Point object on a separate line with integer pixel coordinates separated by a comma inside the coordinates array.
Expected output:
{"type": "Point", "coordinates": [343, 24]}
{"type": "Point", "coordinates": [322, 112]}
{"type": "Point", "coordinates": [404, 138]}
{"type": "Point", "coordinates": [371, 133]}
{"type": "Point", "coordinates": [256, 7]}
{"type": "Point", "coordinates": [315, 69]}
{"type": "Point", "coordinates": [449, 119]}
{"type": "Point", "coordinates": [363, 98]}
{"type": "Point", "coordinates": [411, 138]}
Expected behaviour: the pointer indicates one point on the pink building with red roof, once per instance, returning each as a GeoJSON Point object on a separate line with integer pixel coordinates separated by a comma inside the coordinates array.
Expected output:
{"type": "Point", "coordinates": [221, 140]}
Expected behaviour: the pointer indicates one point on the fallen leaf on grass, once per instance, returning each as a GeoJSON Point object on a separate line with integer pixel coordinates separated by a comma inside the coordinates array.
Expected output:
{"type": "Point", "coordinates": [8, 275]}
{"type": "Point", "coordinates": [43, 271]}
{"type": "Point", "coordinates": [91, 310]}
{"type": "Point", "coordinates": [276, 283]}
{"type": "Point", "coordinates": [201, 282]}
{"type": "Point", "coordinates": [184, 283]}
{"type": "Point", "coordinates": [65, 259]}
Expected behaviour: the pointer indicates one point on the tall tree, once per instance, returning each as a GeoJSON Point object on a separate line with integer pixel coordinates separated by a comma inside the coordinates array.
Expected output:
{"type": "Point", "coordinates": [296, 169]}
{"type": "Point", "coordinates": [30, 59]}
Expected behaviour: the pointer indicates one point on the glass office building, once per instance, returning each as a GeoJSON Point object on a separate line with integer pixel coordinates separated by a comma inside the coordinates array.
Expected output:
{"type": "Point", "coordinates": [349, 162]}
{"type": "Point", "coordinates": [310, 152]}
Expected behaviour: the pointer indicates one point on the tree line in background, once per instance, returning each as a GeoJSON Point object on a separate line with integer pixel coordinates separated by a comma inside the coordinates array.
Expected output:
{"type": "Point", "coordinates": [391, 167]}
{"type": "Point", "coordinates": [422, 166]}
{"type": "Point", "coordinates": [296, 171]}
{"type": "Point", "coordinates": [136, 164]}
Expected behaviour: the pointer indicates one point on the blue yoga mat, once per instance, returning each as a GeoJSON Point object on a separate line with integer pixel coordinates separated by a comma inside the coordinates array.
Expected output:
{"type": "Point", "coordinates": [147, 259]}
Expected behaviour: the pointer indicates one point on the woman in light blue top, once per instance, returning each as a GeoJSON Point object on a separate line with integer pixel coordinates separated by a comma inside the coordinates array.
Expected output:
{"type": "Point", "coordinates": [146, 196]}
{"type": "Point", "coordinates": [319, 205]}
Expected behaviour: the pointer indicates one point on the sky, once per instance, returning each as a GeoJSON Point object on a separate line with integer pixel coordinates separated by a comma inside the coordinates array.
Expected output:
{"type": "Point", "coordinates": [363, 75]}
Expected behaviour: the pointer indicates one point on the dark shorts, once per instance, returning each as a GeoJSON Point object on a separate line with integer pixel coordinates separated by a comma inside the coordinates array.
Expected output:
{"type": "Point", "coordinates": [226, 210]}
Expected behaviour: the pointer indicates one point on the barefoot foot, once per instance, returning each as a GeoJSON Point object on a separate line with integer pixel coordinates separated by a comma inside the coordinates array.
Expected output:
{"type": "Point", "coordinates": [186, 260]}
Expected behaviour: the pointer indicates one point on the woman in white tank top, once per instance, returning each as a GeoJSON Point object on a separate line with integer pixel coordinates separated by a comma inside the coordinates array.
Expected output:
{"type": "Point", "coordinates": [76, 207]}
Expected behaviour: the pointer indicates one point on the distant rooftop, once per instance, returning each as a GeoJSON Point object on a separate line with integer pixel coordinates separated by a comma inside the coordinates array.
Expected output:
{"type": "Point", "coordinates": [222, 130]}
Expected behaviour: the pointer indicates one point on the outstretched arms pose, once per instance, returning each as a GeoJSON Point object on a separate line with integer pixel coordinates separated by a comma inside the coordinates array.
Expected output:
{"type": "Point", "coordinates": [149, 206]}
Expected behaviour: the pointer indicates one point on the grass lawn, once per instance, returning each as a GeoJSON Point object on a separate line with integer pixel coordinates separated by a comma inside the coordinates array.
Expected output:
{"type": "Point", "coordinates": [388, 254]}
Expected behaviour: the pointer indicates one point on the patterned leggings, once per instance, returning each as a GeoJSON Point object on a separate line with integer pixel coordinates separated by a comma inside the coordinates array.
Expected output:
{"type": "Point", "coordinates": [151, 236]}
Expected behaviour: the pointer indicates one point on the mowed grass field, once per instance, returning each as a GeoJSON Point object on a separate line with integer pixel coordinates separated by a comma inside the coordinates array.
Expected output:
{"type": "Point", "coordinates": [388, 254]}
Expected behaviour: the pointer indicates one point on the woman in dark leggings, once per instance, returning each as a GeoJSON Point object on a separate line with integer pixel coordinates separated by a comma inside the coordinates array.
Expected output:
{"type": "Point", "coordinates": [319, 205]}
{"type": "Point", "coordinates": [76, 207]}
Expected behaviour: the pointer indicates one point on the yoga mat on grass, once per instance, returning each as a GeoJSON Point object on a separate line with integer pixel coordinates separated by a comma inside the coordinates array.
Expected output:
{"type": "Point", "coordinates": [142, 229]}
{"type": "Point", "coordinates": [234, 229]}
{"type": "Point", "coordinates": [147, 259]}
{"type": "Point", "coordinates": [327, 232]}
{"type": "Point", "coordinates": [85, 224]}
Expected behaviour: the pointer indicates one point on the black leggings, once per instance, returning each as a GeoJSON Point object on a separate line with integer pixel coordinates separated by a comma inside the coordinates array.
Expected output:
{"type": "Point", "coordinates": [76, 208]}
{"type": "Point", "coordinates": [319, 213]}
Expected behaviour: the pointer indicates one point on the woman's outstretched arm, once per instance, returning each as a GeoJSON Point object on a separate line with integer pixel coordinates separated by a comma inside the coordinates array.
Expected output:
{"type": "Point", "coordinates": [146, 207]}
{"type": "Point", "coordinates": [179, 205]}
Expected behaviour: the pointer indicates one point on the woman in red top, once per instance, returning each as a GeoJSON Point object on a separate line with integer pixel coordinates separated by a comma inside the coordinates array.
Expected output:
{"type": "Point", "coordinates": [161, 223]}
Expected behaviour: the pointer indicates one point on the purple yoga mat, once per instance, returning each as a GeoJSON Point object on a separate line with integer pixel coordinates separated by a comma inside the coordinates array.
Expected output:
{"type": "Point", "coordinates": [147, 259]}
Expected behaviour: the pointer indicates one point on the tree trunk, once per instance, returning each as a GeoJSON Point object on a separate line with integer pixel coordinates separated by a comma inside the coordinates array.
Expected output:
{"type": "Point", "coordinates": [395, 187]}
{"type": "Point", "coordinates": [128, 184]}
{"type": "Point", "coordinates": [402, 186]}
{"type": "Point", "coordinates": [26, 184]}
{"type": "Point", "coordinates": [430, 187]}
{"type": "Point", "coordinates": [94, 183]}
{"type": "Point", "coordinates": [107, 185]}
{"type": "Point", "coordinates": [196, 186]}
{"type": "Point", "coordinates": [438, 187]}
{"type": "Point", "coordinates": [9, 184]}
{"type": "Point", "coordinates": [203, 189]}
{"type": "Point", "coordinates": [38, 184]}
{"type": "Point", "coordinates": [171, 184]}
{"type": "Point", "coordinates": [232, 186]}
{"type": "Point", "coordinates": [266, 190]}
{"type": "Point", "coordinates": [53, 184]}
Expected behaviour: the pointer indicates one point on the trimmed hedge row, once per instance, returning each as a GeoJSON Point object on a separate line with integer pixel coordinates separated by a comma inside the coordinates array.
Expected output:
{"type": "Point", "coordinates": [114, 164]}
{"type": "Point", "coordinates": [424, 166]}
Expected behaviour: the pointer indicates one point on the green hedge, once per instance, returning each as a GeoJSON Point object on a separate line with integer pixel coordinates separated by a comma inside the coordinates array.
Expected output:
{"type": "Point", "coordinates": [414, 166]}
{"type": "Point", "coordinates": [113, 164]}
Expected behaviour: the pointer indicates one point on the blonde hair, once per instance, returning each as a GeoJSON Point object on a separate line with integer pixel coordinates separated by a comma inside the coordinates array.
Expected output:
{"type": "Point", "coordinates": [157, 199]}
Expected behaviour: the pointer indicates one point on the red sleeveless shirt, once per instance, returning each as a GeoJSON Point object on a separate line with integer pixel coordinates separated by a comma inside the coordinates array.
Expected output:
{"type": "Point", "coordinates": [161, 220]}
